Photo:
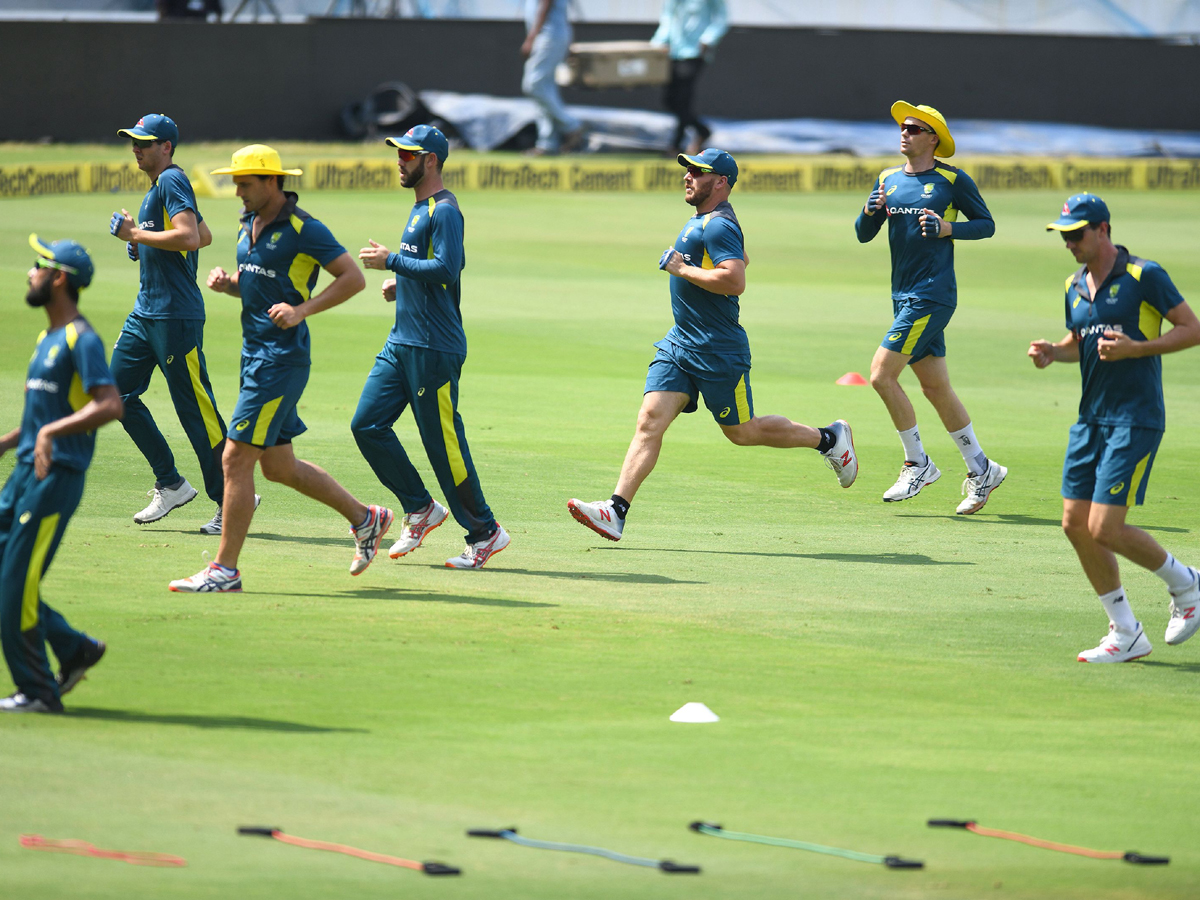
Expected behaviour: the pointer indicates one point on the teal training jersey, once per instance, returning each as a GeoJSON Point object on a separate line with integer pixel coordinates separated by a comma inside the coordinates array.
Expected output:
{"type": "Point", "coordinates": [67, 365]}
{"type": "Point", "coordinates": [923, 268]}
{"type": "Point", "coordinates": [1134, 298]}
{"type": "Point", "coordinates": [428, 269]}
{"type": "Point", "coordinates": [280, 267]}
{"type": "Point", "coordinates": [704, 321]}
{"type": "Point", "coordinates": [168, 289]}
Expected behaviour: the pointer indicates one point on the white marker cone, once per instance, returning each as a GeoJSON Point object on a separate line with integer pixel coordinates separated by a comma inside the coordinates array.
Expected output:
{"type": "Point", "coordinates": [695, 713]}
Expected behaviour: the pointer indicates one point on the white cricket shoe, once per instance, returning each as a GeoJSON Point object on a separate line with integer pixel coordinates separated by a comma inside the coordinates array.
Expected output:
{"type": "Point", "coordinates": [475, 555]}
{"type": "Point", "coordinates": [367, 537]}
{"type": "Point", "coordinates": [1118, 646]}
{"type": "Point", "coordinates": [979, 487]}
{"type": "Point", "coordinates": [841, 456]}
{"type": "Point", "coordinates": [209, 581]}
{"type": "Point", "coordinates": [213, 525]}
{"type": "Point", "coordinates": [1184, 618]}
{"type": "Point", "coordinates": [19, 703]}
{"type": "Point", "coordinates": [163, 500]}
{"type": "Point", "coordinates": [913, 477]}
{"type": "Point", "coordinates": [601, 517]}
{"type": "Point", "coordinates": [416, 526]}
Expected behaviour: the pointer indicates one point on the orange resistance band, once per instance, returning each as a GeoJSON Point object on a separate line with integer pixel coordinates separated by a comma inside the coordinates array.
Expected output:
{"type": "Point", "coordinates": [1046, 845]}
{"type": "Point", "coordinates": [349, 851]}
{"type": "Point", "coordinates": [83, 848]}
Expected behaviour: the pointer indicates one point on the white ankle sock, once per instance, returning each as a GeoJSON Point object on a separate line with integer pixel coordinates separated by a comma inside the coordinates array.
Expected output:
{"type": "Point", "coordinates": [1117, 606]}
{"type": "Point", "coordinates": [968, 446]}
{"type": "Point", "coordinates": [913, 451]}
{"type": "Point", "coordinates": [1177, 576]}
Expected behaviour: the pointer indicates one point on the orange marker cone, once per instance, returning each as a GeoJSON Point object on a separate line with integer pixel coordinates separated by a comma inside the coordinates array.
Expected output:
{"type": "Point", "coordinates": [851, 378]}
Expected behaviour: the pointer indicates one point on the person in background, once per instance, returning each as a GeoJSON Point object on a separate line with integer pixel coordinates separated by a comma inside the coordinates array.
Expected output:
{"type": "Point", "coordinates": [690, 30]}
{"type": "Point", "coordinates": [546, 45]}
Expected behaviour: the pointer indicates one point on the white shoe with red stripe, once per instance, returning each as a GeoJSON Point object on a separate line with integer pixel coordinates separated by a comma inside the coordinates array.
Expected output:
{"type": "Point", "coordinates": [841, 457]}
{"type": "Point", "coordinates": [1185, 612]}
{"type": "Point", "coordinates": [477, 554]}
{"type": "Point", "coordinates": [416, 526]}
{"type": "Point", "coordinates": [601, 517]}
{"type": "Point", "coordinates": [367, 537]}
{"type": "Point", "coordinates": [1118, 646]}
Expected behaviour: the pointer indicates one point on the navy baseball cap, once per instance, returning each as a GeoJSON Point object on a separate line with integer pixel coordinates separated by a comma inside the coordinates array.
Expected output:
{"type": "Point", "coordinates": [713, 160]}
{"type": "Point", "coordinates": [66, 256]}
{"type": "Point", "coordinates": [156, 127]}
{"type": "Point", "coordinates": [422, 139]}
{"type": "Point", "coordinates": [1080, 210]}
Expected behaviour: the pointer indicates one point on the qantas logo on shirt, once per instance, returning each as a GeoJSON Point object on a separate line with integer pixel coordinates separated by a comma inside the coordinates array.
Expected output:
{"type": "Point", "coordinates": [148, 224]}
{"type": "Point", "coordinates": [41, 384]}
{"type": "Point", "coordinates": [1100, 329]}
{"type": "Point", "coordinates": [904, 210]}
{"type": "Point", "coordinates": [411, 248]}
{"type": "Point", "coordinates": [256, 269]}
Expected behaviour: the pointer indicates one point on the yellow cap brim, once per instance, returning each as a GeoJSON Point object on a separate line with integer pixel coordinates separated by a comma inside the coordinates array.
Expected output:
{"type": "Point", "coordinates": [684, 160]}
{"type": "Point", "coordinates": [902, 110]}
{"type": "Point", "coordinates": [413, 148]}
{"type": "Point", "coordinates": [41, 249]}
{"type": "Point", "coordinates": [230, 170]}
{"type": "Point", "coordinates": [144, 136]}
{"type": "Point", "coordinates": [1054, 226]}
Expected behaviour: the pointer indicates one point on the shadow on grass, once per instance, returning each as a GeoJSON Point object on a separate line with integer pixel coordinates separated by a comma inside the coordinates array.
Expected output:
{"type": "Point", "coordinates": [883, 559]}
{"type": "Point", "coordinates": [1177, 666]}
{"type": "Point", "coordinates": [346, 541]}
{"type": "Point", "coordinates": [413, 596]}
{"type": "Point", "coordinates": [237, 723]}
{"type": "Point", "coordinates": [619, 577]}
{"type": "Point", "coordinates": [1018, 519]}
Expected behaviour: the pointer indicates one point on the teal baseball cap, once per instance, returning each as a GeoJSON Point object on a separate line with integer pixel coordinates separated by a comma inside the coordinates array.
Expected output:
{"type": "Point", "coordinates": [154, 127]}
{"type": "Point", "coordinates": [66, 256]}
{"type": "Point", "coordinates": [1080, 210]}
{"type": "Point", "coordinates": [422, 139]}
{"type": "Point", "coordinates": [713, 160]}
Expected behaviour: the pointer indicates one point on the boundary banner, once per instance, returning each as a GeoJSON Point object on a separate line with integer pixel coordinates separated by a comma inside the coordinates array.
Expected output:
{"type": "Point", "coordinates": [758, 175]}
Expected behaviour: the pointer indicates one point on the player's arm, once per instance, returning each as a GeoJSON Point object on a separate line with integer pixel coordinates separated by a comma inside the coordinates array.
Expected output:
{"type": "Point", "coordinates": [205, 234]}
{"type": "Point", "coordinates": [104, 406]}
{"type": "Point", "coordinates": [872, 216]}
{"type": "Point", "coordinates": [1114, 345]}
{"type": "Point", "coordinates": [10, 440]}
{"type": "Point", "coordinates": [539, 20]}
{"type": "Point", "coordinates": [969, 202]}
{"type": "Point", "coordinates": [446, 241]}
{"type": "Point", "coordinates": [347, 281]}
{"type": "Point", "coordinates": [728, 277]}
{"type": "Point", "coordinates": [1043, 352]}
{"type": "Point", "coordinates": [223, 282]}
{"type": "Point", "coordinates": [183, 235]}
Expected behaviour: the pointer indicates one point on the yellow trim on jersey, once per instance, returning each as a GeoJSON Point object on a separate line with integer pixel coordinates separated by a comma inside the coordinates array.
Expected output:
{"type": "Point", "coordinates": [72, 335]}
{"type": "Point", "coordinates": [947, 172]}
{"type": "Point", "coordinates": [707, 262]}
{"type": "Point", "coordinates": [1070, 281]}
{"type": "Point", "coordinates": [458, 468]}
{"type": "Point", "coordinates": [297, 223]}
{"type": "Point", "coordinates": [33, 575]}
{"type": "Point", "coordinates": [301, 270]}
{"type": "Point", "coordinates": [1149, 321]}
{"type": "Point", "coordinates": [1138, 471]}
{"type": "Point", "coordinates": [207, 411]}
{"type": "Point", "coordinates": [914, 334]}
{"type": "Point", "coordinates": [265, 415]}
{"type": "Point", "coordinates": [1135, 270]}
{"type": "Point", "coordinates": [886, 172]}
{"type": "Point", "coordinates": [951, 214]}
{"type": "Point", "coordinates": [743, 406]}
{"type": "Point", "coordinates": [76, 395]}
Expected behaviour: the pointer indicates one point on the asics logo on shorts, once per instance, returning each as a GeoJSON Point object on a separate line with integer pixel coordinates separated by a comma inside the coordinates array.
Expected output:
{"type": "Point", "coordinates": [170, 359]}
{"type": "Point", "coordinates": [25, 517]}
{"type": "Point", "coordinates": [1116, 488]}
{"type": "Point", "coordinates": [242, 425]}
{"type": "Point", "coordinates": [725, 412]}
{"type": "Point", "coordinates": [420, 392]}
{"type": "Point", "coordinates": [894, 336]}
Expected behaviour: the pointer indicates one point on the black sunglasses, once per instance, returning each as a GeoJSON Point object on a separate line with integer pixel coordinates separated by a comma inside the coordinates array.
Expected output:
{"type": "Point", "coordinates": [696, 171]}
{"type": "Point", "coordinates": [1075, 235]}
{"type": "Point", "coordinates": [914, 128]}
{"type": "Point", "coordinates": [143, 144]}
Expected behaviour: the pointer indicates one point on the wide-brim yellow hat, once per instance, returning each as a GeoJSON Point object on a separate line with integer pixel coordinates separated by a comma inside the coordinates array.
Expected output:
{"type": "Point", "coordinates": [931, 117]}
{"type": "Point", "coordinates": [257, 159]}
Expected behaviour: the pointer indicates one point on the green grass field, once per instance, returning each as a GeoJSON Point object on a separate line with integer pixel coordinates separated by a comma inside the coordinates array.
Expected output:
{"type": "Point", "coordinates": [873, 665]}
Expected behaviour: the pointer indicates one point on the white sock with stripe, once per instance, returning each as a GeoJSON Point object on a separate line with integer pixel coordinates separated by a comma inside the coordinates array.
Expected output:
{"type": "Point", "coordinates": [968, 446]}
{"type": "Point", "coordinates": [913, 449]}
{"type": "Point", "coordinates": [1177, 576]}
{"type": "Point", "coordinates": [1119, 613]}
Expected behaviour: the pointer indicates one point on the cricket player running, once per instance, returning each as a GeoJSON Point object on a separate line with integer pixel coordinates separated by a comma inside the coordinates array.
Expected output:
{"type": "Point", "coordinates": [166, 328]}
{"type": "Point", "coordinates": [707, 352]}
{"type": "Point", "coordinates": [69, 393]}
{"type": "Point", "coordinates": [422, 361]}
{"type": "Point", "coordinates": [921, 201]}
{"type": "Point", "coordinates": [280, 251]}
{"type": "Point", "coordinates": [1115, 304]}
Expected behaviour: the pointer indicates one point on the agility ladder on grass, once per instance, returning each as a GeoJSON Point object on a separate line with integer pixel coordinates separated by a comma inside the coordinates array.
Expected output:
{"type": "Point", "coordinates": [1129, 856]}
{"type": "Point", "coordinates": [429, 868]}
{"type": "Point", "coordinates": [892, 862]}
{"type": "Point", "coordinates": [83, 848]}
{"type": "Point", "coordinates": [510, 834]}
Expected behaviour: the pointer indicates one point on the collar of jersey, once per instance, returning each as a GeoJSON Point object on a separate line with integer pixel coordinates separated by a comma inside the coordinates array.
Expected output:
{"type": "Point", "coordinates": [1120, 267]}
{"type": "Point", "coordinates": [289, 208]}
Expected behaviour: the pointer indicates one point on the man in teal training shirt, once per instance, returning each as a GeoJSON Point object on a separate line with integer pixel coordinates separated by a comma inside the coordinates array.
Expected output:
{"type": "Point", "coordinates": [921, 202]}
{"type": "Point", "coordinates": [706, 353]}
{"type": "Point", "coordinates": [69, 393]}
{"type": "Point", "coordinates": [421, 363]}
{"type": "Point", "coordinates": [166, 328]}
{"type": "Point", "coordinates": [1115, 306]}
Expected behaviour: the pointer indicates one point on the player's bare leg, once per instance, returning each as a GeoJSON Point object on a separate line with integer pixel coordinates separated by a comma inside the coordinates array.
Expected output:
{"type": "Point", "coordinates": [659, 410]}
{"type": "Point", "coordinates": [237, 506]}
{"type": "Point", "coordinates": [1099, 563]}
{"type": "Point", "coordinates": [934, 377]}
{"type": "Point", "coordinates": [279, 464]}
{"type": "Point", "coordinates": [772, 431]}
{"type": "Point", "coordinates": [886, 367]}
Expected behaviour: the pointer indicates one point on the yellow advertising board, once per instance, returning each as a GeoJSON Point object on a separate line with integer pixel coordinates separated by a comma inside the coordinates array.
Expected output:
{"type": "Point", "coordinates": [759, 174]}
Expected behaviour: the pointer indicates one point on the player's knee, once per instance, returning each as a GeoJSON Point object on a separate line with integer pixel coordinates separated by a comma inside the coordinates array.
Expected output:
{"type": "Point", "coordinates": [363, 428]}
{"type": "Point", "coordinates": [1075, 527]}
{"type": "Point", "coordinates": [1103, 534]}
{"type": "Point", "coordinates": [275, 471]}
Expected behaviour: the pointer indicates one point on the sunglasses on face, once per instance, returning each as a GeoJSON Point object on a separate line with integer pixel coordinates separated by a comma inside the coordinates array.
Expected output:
{"type": "Point", "coordinates": [409, 155]}
{"type": "Point", "coordinates": [142, 145]}
{"type": "Point", "coordinates": [914, 128]}
{"type": "Point", "coordinates": [697, 172]}
{"type": "Point", "coordinates": [54, 264]}
{"type": "Point", "coordinates": [1074, 237]}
